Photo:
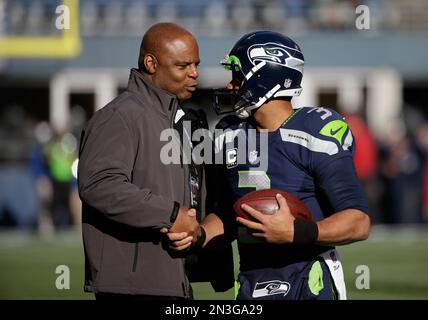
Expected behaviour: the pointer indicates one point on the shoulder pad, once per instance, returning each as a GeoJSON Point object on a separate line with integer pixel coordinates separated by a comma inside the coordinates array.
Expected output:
{"type": "Point", "coordinates": [328, 124]}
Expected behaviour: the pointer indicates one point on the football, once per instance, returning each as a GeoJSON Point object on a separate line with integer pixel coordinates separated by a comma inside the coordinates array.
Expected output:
{"type": "Point", "coordinates": [265, 202]}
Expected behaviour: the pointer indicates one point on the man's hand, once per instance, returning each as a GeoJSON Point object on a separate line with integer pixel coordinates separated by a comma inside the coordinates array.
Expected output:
{"type": "Point", "coordinates": [178, 241]}
{"type": "Point", "coordinates": [185, 221]}
{"type": "Point", "coordinates": [185, 230]}
{"type": "Point", "coordinates": [273, 228]}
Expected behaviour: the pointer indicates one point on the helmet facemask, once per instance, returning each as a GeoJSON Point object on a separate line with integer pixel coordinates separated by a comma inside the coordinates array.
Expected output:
{"type": "Point", "coordinates": [227, 100]}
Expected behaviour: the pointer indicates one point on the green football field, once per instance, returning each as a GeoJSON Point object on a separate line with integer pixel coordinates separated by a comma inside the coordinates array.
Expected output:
{"type": "Point", "coordinates": [394, 264]}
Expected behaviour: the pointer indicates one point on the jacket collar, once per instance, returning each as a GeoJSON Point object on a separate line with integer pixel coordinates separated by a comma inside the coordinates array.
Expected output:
{"type": "Point", "coordinates": [165, 102]}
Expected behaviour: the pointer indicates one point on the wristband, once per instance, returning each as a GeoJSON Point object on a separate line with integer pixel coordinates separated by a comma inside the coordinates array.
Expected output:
{"type": "Point", "coordinates": [201, 239]}
{"type": "Point", "coordinates": [305, 232]}
{"type": "Point", "coordinates": [174, 212]}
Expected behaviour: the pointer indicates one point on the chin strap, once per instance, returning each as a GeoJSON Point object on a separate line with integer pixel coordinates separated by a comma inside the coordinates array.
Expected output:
{"type": "Point", "coordinates": [245, 104]}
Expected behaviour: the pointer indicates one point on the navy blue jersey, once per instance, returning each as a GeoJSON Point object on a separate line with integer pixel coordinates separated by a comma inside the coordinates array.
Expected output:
{"type": "Point", "coordinates": [310, 156]}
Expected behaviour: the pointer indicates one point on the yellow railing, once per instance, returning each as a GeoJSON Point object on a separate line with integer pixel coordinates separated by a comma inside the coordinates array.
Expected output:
{"type": "Point", "coordinates": [68, 45]}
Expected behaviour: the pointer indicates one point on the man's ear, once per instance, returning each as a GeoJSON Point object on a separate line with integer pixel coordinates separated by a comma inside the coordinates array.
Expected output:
{"type": "Point", "coordinates": [150, 63]}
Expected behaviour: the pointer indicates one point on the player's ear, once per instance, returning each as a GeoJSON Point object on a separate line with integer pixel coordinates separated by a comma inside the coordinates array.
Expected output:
{"type": "Point", "coordinates": [150, 63]}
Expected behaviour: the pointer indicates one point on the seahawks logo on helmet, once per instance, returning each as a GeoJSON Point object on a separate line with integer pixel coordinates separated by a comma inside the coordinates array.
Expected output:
{"type": "Point", "coordinates": [274, 53]}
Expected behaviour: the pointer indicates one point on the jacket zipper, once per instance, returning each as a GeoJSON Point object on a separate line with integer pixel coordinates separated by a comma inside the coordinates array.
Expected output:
{"type": "Point", "coordinates": [171, 125]}
{"type": "Point", "coordinates": [185, 283]}
{"type": "Point", "coordinates": [134, 266]}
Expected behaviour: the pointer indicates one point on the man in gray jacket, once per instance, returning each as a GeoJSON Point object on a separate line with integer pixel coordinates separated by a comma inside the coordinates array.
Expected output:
{"type": "Point", "coordinates": [128, 193]}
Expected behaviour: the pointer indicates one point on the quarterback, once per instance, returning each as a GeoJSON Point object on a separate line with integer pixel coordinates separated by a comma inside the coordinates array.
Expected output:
{"type": "Point", "coordinates": [309, 154]}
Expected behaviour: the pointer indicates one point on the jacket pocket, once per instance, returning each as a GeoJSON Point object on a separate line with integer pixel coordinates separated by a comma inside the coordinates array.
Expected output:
{"type": "Point", "coordinates": [134, 265]}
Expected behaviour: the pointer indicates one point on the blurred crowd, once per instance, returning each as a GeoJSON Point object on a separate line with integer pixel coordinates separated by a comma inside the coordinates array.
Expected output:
{"type": "Point", "coordinates": [38, 165]}
{"type": "Point", "coordinates": [393, 170]}
{"type": "Point", "coordinates": [213, 18]}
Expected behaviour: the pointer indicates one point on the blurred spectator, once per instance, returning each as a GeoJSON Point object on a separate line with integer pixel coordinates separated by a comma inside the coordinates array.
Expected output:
{"type": "Point", "coordinates": [89, 18]}
{"type": "Point", "coordinates": [216, 19]}
{"type": "Point", "coordinates": [18, 197]}
{"type": "Point", "coordinates": [273, 14]}
{"type": "Point", "coordinates": [333, 14]}
{"type": "Point", "coordinates": [35, 18]}
{"type": "Point", "coordinates": [243, 16]}
{"type": "Point", "coordinates": [366, 162]}
{"type": "Point", "coordinates": [366, 153]}
{"type": "Point", "coordinates": [296, 20]}
{"type": "Point", "coordinates": [422, 137]}
{"type": "Point", "coordinates": [113, 18]}
{"type": "Point", "coordinates": [16, 14]}
{"type": "Point", "coordinates": [40, 171]}
{"type": "Point", "coordinates": [60, 153]}
{"type": "Point", "coordinates": [167, 11]}
{"type": "Point", "coordinates": [402, 165]}
{"type": "Point", "coordinates": [137, 18]}
{"type": "Point", "coordinates": [191, 12]}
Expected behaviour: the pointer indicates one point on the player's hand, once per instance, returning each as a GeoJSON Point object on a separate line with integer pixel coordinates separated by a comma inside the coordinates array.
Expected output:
{"type": "Point", "coordinates": [273, 228]}
{"type": "Point", "coordinates": [185, 221]}
{"type": "Point", "coordinates": [185, 230]}
{"type": "Point", "coordinates": [179, 241]}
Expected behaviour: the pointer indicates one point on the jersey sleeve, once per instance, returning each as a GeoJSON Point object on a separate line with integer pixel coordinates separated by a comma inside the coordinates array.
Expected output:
{"type": "Point", "coordinates": [338, 183]}
{"type": "Point", "coordinates": [331, 161]}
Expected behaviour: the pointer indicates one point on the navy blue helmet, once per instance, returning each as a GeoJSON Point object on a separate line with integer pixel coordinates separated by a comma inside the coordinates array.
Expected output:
{"type": "Point", "coordinates": [265, 65]}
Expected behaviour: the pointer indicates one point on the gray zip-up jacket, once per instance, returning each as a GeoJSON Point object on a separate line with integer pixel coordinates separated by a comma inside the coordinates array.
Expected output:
{"type": "Point", "coordinates": [128, 194]}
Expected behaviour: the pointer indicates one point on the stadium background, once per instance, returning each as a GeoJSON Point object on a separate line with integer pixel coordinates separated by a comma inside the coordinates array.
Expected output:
{"type": "Point", "coordinates": [52, 80]}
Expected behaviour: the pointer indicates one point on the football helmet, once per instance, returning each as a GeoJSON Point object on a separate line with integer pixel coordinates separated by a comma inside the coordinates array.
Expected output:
{"type": "Point", "coordinates": [265, 65]}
